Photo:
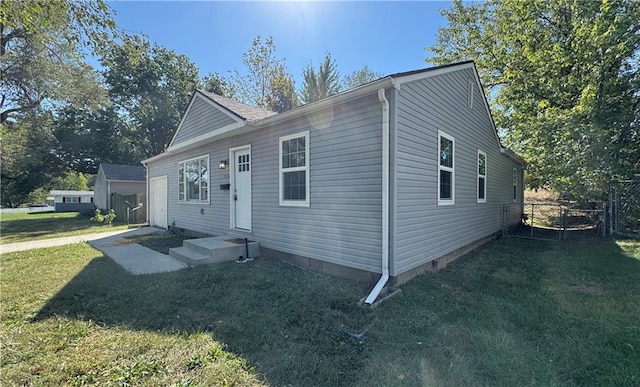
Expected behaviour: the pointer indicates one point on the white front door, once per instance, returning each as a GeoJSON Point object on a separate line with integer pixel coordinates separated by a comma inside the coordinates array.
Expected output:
{"type": "Point", "coordinates": [241, 188]}
{"type": "Point", "coordinates": [158, 202]}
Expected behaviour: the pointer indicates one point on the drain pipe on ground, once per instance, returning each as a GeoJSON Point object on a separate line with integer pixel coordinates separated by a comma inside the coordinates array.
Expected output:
{"type": "Point", "coordinates": [375, 292]}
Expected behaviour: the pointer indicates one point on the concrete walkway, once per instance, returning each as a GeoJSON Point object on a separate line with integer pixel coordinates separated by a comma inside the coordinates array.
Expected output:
{"type": "Point", "coordinates": [134, 258]}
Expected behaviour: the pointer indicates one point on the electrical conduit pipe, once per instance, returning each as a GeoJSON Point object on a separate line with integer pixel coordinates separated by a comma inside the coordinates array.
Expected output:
{"type": "Point", "coordinates": [375, 292]}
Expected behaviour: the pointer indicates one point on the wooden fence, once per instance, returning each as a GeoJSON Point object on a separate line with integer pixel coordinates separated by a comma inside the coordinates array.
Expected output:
{"type": "Point", "coordinates": [125, 204]}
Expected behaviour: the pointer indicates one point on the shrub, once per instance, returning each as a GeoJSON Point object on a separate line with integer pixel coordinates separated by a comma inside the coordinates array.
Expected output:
{"type": "Point", "coordinates": [107, 218]}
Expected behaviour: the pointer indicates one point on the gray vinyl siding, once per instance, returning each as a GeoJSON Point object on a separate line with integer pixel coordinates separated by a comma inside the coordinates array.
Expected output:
{"type": "Point", "coordinates": [202, 118]}
{"type": "Point", "coordinates": [342, 225]}
{"type": "Point", "coordinates": [423, 230]}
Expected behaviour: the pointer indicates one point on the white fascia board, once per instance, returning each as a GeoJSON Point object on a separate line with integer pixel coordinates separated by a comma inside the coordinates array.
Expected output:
{"type": "Point", "coordinates": [513, 155]}
{"type": "Point", "coordinates": [431, 73]}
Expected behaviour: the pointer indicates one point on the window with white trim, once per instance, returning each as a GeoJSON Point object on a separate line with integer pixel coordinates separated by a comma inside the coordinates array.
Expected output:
{"type": "Point", "coordinates": [294, 170]}
{"type": "Point", "coordinates": [515, 184]}
{"type": "Point", "coordinates": [71, 199]}
{"type": "Point", "coordinates": [482, 177]}
{"type": "Point", "coordinates": [446, 169]}
{"type": "Point", "coordinates": [193, 180]}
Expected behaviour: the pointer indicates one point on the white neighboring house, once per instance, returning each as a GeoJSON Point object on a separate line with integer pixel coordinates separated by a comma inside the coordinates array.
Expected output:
{"type": "Point", "coordinates": [69, 201]}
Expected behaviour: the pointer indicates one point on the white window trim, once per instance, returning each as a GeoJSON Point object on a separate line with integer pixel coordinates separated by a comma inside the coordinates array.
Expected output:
{"type": "Point", "coordinates": [447, 202]}
{"type": "Point", "coordinates": [486, 168]}
{"type": "Point", "coordinates": [514, 193]}
{"type": "Point", "coordinates": [185, 201]}
{"type": "Point", "coordinates": [294, 203]}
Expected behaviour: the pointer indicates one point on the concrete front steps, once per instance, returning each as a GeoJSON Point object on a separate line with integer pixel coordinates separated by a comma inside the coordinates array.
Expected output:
{"type": "Point", "coordinates": [204, 251]}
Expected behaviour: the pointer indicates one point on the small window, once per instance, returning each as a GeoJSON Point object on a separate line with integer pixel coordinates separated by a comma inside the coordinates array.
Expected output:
{"type": "Point", "coordinates": [482, 177]}
{"type": "Point", "coordinates": [294, 170]}
{"type": "Point", "coordinates": [515, 184]}
{"type": "Point", "coordinates": [193, 180]}
{"type": "Point", "coordinates": [71, 199]}
{"type": "Point", "coordinates": [446, 169]}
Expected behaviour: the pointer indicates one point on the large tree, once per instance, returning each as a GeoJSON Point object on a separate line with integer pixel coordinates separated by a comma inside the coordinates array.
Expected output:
{"type": "Point", "coordinates": [321, 83]}
{"type": "Point", "coordinates": [26, 161]}
{"type": "Point", "coordinates": [564, 80]}
{"type": "Point", "coordinates": [42, 44]}
{"type": "Point", "coordinates": [265, 81]}
{"type": "Point", "coordinates": [151, 85]}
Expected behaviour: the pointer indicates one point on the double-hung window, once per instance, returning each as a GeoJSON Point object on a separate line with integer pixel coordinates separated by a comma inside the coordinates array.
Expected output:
{"type": "Point", "coordinates": [294, 170]}
{"type": "Point", "coordinates": [193, 180]}
{"type": "Point", "coordinates": [446, 169]}
{"type": "Point", "coordinates": [482, 177]}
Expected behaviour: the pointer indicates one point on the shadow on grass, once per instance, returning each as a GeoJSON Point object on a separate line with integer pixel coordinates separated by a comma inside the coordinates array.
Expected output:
{"type": "Point", "coordinates": [511, 313]}
{"type": "Point", "coordinates": [287, 322]}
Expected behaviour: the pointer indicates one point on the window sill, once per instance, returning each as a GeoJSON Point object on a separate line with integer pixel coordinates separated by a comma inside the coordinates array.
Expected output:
{"type": "Point", "coordinates": [293, 204]}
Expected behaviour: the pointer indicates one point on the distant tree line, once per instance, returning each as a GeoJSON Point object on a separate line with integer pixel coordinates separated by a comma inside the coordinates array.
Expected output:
{"type": "Point", "coordinates": [61, 118]}
{"type": "Point", "coordinates": [562, 78]}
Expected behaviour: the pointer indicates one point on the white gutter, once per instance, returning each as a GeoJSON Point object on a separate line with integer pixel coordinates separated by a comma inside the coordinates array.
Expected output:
{"type": "Point", "coordinates": [109, 195]}
{"type": "Point", "coordinates": [385, 200]}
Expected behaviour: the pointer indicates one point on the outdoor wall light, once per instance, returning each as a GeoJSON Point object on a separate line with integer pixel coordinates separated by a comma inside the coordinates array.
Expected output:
{"type": "Point", "coordinates": [223, 164]}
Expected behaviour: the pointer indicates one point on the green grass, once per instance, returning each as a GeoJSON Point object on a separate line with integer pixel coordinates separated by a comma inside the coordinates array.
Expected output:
{"type": "Point", "coordinates": [515, 312]}
{"type": "Point", "coordinates": [23, 227]}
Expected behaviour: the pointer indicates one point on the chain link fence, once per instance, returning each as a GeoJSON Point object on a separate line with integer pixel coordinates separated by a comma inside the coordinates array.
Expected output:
{"type": "Point", "coordinates": [554, 221]}
{"type": "Point", "coordinates": [624, 208]}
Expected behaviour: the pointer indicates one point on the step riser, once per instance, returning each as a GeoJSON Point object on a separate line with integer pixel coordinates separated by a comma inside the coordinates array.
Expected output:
{"type": "Point", "coordinates": [187, 256]}
{"type": "Point", "coordinates": [193, 254]}
{"type": "Point", "coordinates": [191, 244]}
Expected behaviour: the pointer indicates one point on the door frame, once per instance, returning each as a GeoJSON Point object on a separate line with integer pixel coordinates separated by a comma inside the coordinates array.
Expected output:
{"type": "Point", "coordinates": [232, 181]}
{"type": "Point", "coordinates": [151, 199]}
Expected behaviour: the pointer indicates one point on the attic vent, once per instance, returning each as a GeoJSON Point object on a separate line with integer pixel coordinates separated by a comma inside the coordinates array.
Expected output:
{"type": "Point", "coordinates": [470, 94]}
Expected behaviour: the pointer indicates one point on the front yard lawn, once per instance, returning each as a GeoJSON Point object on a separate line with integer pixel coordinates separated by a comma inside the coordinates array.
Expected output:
{"type": "Point", "coordinates": [24, 227]}
{"type": "Point", "coordinates": [514, 312]}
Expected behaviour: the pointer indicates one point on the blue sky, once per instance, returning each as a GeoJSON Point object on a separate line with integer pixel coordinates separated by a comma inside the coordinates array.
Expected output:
{"type": "Point", "coordinates": [389, 37]}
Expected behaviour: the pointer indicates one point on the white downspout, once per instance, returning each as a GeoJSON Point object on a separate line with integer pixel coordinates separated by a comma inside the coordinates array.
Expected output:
{"type": "Point", "coordinates": [385, 200]}
{"type": "Point", "coordinates": [108, 195]}
{"type": "Point", "coordinates": [146, 169]}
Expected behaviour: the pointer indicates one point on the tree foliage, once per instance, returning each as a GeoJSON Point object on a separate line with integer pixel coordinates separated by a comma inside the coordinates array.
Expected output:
{"type": "Point", "coordinates": [151, 86]}
{"type": "Point", "coordinates": [322, 83]}
{"type": "Point", "coordinates": [360, 77]}
{"type": "Point", "coordinates": [565, 81]}
{"type": "Point", "coordinates": [41, 51]}
{"type": "Point", "coordinates": [25, 156]}
{"type": "Point", "coordinates": [217, 84]}
{"type": "Point", "coordinates": [266, 82]}
{"type": "Point", "coordinates": [282, 92]}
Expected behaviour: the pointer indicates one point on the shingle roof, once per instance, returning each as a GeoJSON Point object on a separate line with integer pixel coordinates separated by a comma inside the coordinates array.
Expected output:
{"type": "Point", "coordinates": [246, 112]}
{"type": "Point", "coordinates": [124, 172]}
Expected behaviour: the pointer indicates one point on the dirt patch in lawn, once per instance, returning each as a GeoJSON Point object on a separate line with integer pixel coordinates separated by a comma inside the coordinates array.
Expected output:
{"type": "Point", "coordinates": [158, 242]}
